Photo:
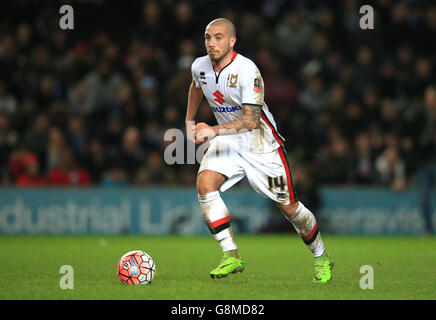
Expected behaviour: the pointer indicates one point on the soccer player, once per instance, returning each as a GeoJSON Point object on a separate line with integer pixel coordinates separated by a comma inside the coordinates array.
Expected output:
{"type": "Point", "coordinates": [244, 143]}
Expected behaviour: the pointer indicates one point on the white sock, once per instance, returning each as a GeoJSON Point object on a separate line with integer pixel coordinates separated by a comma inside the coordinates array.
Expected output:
{"type": "Point", "coordinates": [217, 218]}
{"type": "Point", "coordinates": [304, 222]}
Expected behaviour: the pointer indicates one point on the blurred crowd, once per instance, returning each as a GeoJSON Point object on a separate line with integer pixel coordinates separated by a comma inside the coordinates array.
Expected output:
{"type": "Point", "coordinates": [90, 106]}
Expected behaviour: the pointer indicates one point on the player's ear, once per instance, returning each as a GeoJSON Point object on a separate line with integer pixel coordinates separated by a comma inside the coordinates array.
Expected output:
{"type": "Point", "coordinates": [232, 41]}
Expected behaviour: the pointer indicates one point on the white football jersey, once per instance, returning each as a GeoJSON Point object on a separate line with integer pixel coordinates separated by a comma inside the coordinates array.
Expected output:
{"type": "Point", "coordinates": [238, 83]}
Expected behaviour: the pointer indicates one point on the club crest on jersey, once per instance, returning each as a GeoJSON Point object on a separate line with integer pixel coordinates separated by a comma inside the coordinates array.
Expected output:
{"type": "Point", "coordinates": [232, 79]}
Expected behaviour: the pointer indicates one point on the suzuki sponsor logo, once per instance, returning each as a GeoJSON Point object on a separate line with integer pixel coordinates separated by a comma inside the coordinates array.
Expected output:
{"type": "Point", "coordinates": [226, 109]}
{"type": "Point", "coordinates": [218, 97]}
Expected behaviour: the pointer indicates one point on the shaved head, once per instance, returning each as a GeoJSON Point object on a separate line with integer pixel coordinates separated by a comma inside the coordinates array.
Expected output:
{"type": "Point", "coordinates": [219, 39]}
{"type": "Point", "coordinates": [226, 22]}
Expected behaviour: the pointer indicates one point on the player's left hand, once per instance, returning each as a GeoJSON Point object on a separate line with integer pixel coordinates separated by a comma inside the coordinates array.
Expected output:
{"type": "Point", "coordinates": [203, 132]}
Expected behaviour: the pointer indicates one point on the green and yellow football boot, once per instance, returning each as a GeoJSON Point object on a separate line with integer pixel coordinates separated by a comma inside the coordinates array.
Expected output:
{"type": "Point", "coordinates": [323, 269]}
{"type": "Point", "coordinates": [228, 265]}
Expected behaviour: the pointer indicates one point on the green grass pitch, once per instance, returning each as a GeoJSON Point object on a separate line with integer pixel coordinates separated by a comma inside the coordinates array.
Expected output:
{"type": "Point", "coordinates": [278, 267]}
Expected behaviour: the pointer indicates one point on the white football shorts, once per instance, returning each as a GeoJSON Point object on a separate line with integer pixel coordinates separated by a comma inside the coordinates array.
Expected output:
{"type": "Point", "coordinates": [268, 173]}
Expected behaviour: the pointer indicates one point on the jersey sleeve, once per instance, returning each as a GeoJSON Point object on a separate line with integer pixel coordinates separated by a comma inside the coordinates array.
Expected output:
{"type": "Point", "coordinates": [195, 75]}
{"type": "Point", "coordinates": [252, 91]}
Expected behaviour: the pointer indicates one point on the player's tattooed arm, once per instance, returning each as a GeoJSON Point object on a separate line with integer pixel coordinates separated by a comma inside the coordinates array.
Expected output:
{"type": "Point", "coordinates": [248, 121]}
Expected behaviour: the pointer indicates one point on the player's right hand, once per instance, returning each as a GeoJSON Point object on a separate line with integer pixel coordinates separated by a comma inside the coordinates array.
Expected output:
{"type": "Point", "coordinates": [203, 133]}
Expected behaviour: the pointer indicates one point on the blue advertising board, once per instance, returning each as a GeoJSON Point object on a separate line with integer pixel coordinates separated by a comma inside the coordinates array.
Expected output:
{"type": "Point", "coordinates": [373, 211]}
{"type": "Point", "coordinates": [176, 211]}
{"type": "Point", "coordinates": [123, 210]}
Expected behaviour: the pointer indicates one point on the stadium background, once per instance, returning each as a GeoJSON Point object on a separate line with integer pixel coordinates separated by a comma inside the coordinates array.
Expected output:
{"type": "Point", "coordinates": [85, 111]}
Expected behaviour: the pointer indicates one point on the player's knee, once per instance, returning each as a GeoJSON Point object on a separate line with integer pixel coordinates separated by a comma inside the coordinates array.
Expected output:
{"type": "Point", "coordinates": [209, 182]}
{"type": "Point", "coordinates": [289, 209]}
{"type": "Point", "coordinates": [204, 186]}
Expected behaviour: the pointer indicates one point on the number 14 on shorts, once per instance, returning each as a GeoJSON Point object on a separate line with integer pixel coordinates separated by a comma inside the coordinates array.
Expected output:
{"type": "Point", "coordinates": [277, 185]}
{"type": "Point", "coordinates": [276, 182]}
